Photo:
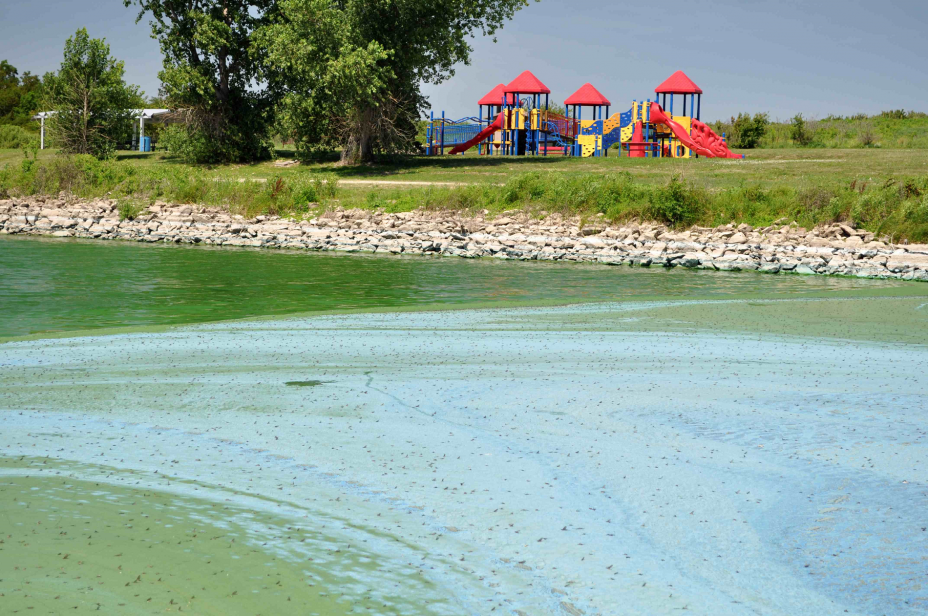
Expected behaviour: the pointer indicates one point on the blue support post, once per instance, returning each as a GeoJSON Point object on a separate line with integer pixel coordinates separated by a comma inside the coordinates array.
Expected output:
{"type": "Point", "coordinates": [699, 108]}
{"type": "Point", "coordinates": [429, 135]}
{"type": "Point", "coordinates": [506, 133]}
{"type": "Point", "coordinates": [546, 125]}
{"type": "Point", "coordinates": [480, 126]}
{"type": "Point", "coordinates": [671, 105]}
{"type": "Point", "coordinates": [441, 150]}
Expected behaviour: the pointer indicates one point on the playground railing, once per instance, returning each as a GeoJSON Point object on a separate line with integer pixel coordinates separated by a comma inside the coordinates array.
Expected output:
{"type": "Point", "coordinates": [444, 132]}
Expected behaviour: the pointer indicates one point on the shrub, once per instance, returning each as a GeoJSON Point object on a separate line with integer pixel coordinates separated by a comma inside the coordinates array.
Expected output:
{"type": "Point", "coordinates": [865, 136]}
{"type": "Point", "coordinates": [746, 132]}
{"type": "Point", "coordinates": [188, 145]}
{"type": "Point", "coordinates": [675, 204]}
{"type": "Point", "coordinates": [802, 132]}
{"type": "Point", "coordinates": [15, 137]}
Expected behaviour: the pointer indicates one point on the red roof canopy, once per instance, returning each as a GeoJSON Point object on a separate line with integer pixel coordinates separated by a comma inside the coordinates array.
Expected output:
{"type": "Point", "coordinates": [526, 83]}
{"type": "Point", "coordinates": [678, 83]}
{"type": "Point", "coordinates": [495, 96]}
{"type": "Point", "coordinates": [587, 95]}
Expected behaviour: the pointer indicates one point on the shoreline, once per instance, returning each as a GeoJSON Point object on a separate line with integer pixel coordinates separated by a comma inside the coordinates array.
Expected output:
{"type": "Point", "coordinates": [835, 249]}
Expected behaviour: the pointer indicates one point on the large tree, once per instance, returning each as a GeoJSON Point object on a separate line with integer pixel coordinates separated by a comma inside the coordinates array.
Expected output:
{"type": "Point", "coordinates": [213, 72]}
{"type": "Point", "coordinates": [20, 97]}
{"type": "Point", "coordinates": [352, 69]}
{"type": "Point", "coordinates": [93, 105]}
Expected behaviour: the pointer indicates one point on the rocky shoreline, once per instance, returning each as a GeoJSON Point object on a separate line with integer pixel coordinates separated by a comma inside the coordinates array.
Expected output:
{"type": "Point", "coordinates": [834, 249]}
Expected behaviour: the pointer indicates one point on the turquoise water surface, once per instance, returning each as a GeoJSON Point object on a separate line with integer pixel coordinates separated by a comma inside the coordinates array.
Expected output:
{"type": "Point", "coordinates": [571, 439]}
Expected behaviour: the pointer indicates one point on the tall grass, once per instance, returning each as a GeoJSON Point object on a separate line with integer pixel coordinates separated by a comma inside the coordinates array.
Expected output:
{"type": "Point", "coordinates": [908, 130]}
{"type": "Point", "coordinates": [84, 176]}
{"type": "Point", "coordinates": [896, 207]}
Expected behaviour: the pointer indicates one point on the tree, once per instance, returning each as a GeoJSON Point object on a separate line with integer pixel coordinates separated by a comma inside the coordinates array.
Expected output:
{"type": "Point", "coordinates": [351, 70]}
{"type": "Point", "coordinates": [93, 105]}
{"type": "Point", "coordinates": [802, 131]}
{"type": "Point", "coordinates": [746, 132]}
{"type": "Point", "coordinates": [213, 73]}
{"type": "Point", "coordinates": [19, 96]}
{"type": "Point", "coordinates": [9, 89]}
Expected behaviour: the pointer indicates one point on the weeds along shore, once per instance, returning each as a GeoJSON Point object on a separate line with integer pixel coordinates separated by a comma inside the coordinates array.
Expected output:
{"type": "Point", "coordinates": [896, 208]}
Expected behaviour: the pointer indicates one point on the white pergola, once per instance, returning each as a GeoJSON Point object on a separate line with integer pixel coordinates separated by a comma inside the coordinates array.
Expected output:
{"type": "Point", "coordinates": [143, 115]}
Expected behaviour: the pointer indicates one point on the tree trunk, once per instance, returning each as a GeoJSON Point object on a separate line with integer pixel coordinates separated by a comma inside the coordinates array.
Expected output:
{"type": "Point", "coordinates": [359, 146]}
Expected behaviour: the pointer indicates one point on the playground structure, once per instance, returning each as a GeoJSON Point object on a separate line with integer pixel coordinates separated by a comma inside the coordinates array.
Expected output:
{"type": "Point", "coordinates": [515, 120]}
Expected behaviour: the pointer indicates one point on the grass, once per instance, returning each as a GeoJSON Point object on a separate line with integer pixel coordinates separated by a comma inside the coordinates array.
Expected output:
{"type": "Point", "coordinates": [880, 131]}
{"type": "Point", "coordinates": [885, 191]}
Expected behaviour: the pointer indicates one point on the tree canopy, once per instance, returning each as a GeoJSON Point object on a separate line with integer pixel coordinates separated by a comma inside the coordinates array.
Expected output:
{"type": "Point", "coordinates": [20, 97]}
{"type": "Point", "coordinates": [351, 71]}
{"type": "Point", "coordinates": [92, 104]}
{"type": "Point", "coordinates": [213, 71]}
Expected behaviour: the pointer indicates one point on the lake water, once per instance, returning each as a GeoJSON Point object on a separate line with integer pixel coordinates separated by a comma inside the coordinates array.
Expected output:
{"type": "Point", "coordinates": [238, 431]}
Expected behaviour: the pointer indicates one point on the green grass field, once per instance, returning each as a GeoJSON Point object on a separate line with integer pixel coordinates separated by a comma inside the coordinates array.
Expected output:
{"type": "Point", "coordinates": [797, 167]}
{"type": "Point", "coordinates": [883, 190]}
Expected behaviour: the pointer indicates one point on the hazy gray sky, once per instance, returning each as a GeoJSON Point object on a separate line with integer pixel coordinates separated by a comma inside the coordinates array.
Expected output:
{"type": "Point", "coordinates": [779, 56]}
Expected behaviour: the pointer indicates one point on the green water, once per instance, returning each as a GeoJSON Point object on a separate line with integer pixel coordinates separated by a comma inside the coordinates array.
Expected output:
{"type": "Point", "coordinates": [85, 545]}
{"type": "Point", "coordinates": [52, 287]}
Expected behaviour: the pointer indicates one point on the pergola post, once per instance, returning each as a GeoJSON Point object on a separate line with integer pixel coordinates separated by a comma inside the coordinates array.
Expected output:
{"type": "Point", "coordinates": [141, 133]}
{"type": "Point", "coordinates": [42, 135]}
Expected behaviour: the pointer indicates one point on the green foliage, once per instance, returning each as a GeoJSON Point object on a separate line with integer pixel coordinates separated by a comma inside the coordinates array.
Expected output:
{"type": "Point", "coordinates": [215, 72]}
{"type": "Point", "coordinates": [896, 207]}
{"type": "Point", "coordinates": [351, 71]}
{"type": "Point", "coordinates": [129, 209]}
{"type": "Point", "coordinates": [902, 114]}
{"type": "Point", "coordinates": [92, 104]}
{"type": "Point", "coordinates": [15, 137]}
{"type": "Point", "coordinates": [135, 187]}
{"type": "Point", "coordinates": [800, 132]}
{"type": "Point", "coordinates": [557, 108]}
{"type": "Point", "coordinates": [888, 130]}
{"type": "Point", "coordinates": [19, 96]}
{"type": "Point", "coordinates": [744, 131]}
{"type": "Point", "coordinates": [186, 143]}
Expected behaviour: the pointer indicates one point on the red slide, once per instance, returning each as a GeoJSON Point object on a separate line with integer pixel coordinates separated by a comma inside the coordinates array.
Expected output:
{"type": "Point", "coordinates": [489, 130]}
{"type": "Point", "coordinates": [703, 141]}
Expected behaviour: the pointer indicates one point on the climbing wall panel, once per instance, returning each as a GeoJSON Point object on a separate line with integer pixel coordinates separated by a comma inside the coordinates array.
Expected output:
{"type": "Point", "coordinates": [589, 144]}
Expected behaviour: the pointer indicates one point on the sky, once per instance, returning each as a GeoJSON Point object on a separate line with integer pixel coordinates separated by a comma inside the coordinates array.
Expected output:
{"type": "Point", "coordinates": [817, 57]}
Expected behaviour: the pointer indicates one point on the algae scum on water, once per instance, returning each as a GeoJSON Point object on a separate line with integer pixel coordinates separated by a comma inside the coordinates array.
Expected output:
{"type": "Point", "coordinates": [75, 545]}
{"type": "Point", "coordinates": [670, 441]}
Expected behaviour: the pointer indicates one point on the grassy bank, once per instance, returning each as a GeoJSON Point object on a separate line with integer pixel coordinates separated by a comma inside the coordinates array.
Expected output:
{"type": "Point", "coordinates": [884, 194]}
{"type": "Point", "coordinates": [890, 129]}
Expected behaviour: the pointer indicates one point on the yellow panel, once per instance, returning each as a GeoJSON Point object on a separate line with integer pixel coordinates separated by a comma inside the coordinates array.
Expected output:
{"type": "Point", "coordinates": [586, 123]}
{"type": "Point", "coordinates": [589, 144]}
{"type": "Point", "coordinates": [627, 133]}
{"type": "Point", "coordinates": [686, 122]}
{"type": "Point", "coordinates": [610, 124]}
{"type": "Point", "coordinates": [518, 117]}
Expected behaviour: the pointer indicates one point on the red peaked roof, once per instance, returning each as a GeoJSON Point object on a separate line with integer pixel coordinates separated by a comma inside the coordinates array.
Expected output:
{"type": "Point", "coordinates": [678, 83]}
{"type": "Point", "coordinates": [526, 83]}
{"type": "Point", "coordinates": [587, 95]}
{"type": "Point", "coordinates": [495, 96]}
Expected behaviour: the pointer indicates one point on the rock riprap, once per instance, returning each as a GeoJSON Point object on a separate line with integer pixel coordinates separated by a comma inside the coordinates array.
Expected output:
{"type": "Point", "coordinates": [836, 249]}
